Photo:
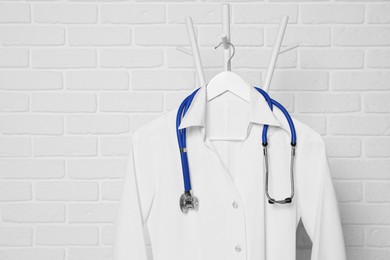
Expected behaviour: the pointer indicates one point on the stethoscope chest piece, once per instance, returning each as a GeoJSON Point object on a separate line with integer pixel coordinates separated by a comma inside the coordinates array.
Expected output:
{"type": "Point", "coordinates": [188, 201]}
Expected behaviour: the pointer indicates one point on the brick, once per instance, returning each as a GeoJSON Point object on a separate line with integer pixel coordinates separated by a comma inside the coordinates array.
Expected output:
{"type": "Point", "coordinates": [317, 122]}
{"type": "Point", "coordinates": [70, 235]}
{"type": "Point", "coordinates": [92, 213]}
{"type": "Point", "coordinates": [364, 80]}
{"type": "Point", "coordinates": [97, 80]}
{"type": "Point", "coordinates": [65, 13]}
{"type": "Point", "coordinates": [97, 169]}
{"type": "Point", "coordinates": [353, 235]}
{"type": "Point", "coordinates": [171, 35]}
{"type": "Point", "coordinates": [264, 13]}
{"type": "Point", "coordinates": [14, 102]}
{"type": "Point", "coordinates": [111, 190]}
{"type": "Point", "coordinates": [359, 125]}
{"type": "Point", "coordinates": [342, 168]}
{"type": "Point", "coordinates": [32, 253]}
{"type": "Point", "coordinates": [327, 102]}
{"type": "Point", "coordinates": [210, 58]}
{"type": "Point", "coordinates": [132, 58]}
{"type": "Point", "coordinates": [15, 146]}
{"type": "Point", "coordinates": [378, 58]}
{"type": "Point", "coordinates": [361, 36]}
{"type": "Point", "coordinates": [99, 36]}
{"type": "Point", "coordinates": [349, 192]}
{"type": "Point", "coordinates": [15, 191]}
{"type": "Point", "coordinates": [31, 169]}
{"type": "Point", "coordinates": [15, 236]}
{"type": "Point", "coordinates": [90, 253]}
{"type": "Point", "coordinates": [376, 102]}
{"type": "Point", "coordinates": [32, 35]}
{"type": "Point", "coordinates": [377, 192]}
{"type": "Point", "coordinates": [63, 58]}
{"type": "Point", "coordinates": [300, 80]}
{"type": "Point", "coordinates": [365, 214]}
{"type": "Point", "coordinates": [107, 233]}
{"type": "Point", "coordinates": [357, 253]}
{"type": "Point", "coordinates": [15, 13]}
{"type": "Point", "coordinates": [304, 36]}
{"type": "Point", "coordinates": [378, 147]}
{"type": "Point", "coordinates": [133, 13]}
{"type": "Point", "coordinates": [30, 80]}
{"type": "Point", "coordinates": [331, 13]}
{"type": "Point", "coordinates": [64, 102]}
{"type": "Point", "coordinates": [378, 236]}
{"type": "Point", "coordinates": [131, 102]}
{"type": "Point", "coordinates": [162, 80]}
{"type": "Point", "coordinates": [13, 58]}
{"type": "Point", "coordinates": [239, 35]}
{"type": "Point", "coordinates": [254, 58]}
{"type": "Point", "coordinates": [98, 124]}
{"type": "Point", "coordinates": [201, 13]}
{"type": "Point", "coordinates": [33, 213]}
{"type": "Point", "coordinates": [331, 59]}
{"type": "Point", "coordinates": [378, 13]}
{"type": "Point", "coordinates": [32, 124]}
{"type": "Point", "coordinates": [115, 146]}
{"type": "Point", "coordinates": [343, 147]}
{"type": "Point", "coordinates": [65, 146]}
{"type": "Point", "coordinates": [66, 191]}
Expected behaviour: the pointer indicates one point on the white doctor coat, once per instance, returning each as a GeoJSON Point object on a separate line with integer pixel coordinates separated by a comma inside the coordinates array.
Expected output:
{"type": "Point", "coordinates": [234, 220]}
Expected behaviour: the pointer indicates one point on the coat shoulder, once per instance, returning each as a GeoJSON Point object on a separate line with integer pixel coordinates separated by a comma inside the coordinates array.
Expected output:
{"type": "Point", "coordinates": [307, 135]}
{"type": "Point", "coordinates": [159, 127]}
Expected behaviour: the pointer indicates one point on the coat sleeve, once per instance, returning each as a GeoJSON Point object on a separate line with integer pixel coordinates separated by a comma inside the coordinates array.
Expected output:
{"type": "Point", "coordinates": [318, 206]}
{"type": "Point", "coordinates": [129, 240]}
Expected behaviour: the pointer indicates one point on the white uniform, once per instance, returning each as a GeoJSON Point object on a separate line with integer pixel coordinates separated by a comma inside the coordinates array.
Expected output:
{"type": "Point", "coordinates": [234, 220]}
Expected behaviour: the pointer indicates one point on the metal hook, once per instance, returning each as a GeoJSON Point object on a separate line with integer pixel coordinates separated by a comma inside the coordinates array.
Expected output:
{"type": "Point", "coordinates": [234, 49]}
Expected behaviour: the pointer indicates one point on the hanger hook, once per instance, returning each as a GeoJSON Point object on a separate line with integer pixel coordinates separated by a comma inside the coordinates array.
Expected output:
{"type": "Point", "coordinates": [234, 49]}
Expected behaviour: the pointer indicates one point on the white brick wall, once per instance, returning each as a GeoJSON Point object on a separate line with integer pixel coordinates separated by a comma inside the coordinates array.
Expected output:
{"type": "Point", "coordinates": [77, 77]}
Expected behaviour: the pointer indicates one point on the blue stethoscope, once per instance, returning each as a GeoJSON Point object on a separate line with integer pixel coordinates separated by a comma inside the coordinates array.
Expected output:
{"type": "Point", "coordinates": [188, 200]}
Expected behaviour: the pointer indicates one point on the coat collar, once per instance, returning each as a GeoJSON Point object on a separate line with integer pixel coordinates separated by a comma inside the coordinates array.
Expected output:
{"type": "Point", "coordinates": [260, 112]}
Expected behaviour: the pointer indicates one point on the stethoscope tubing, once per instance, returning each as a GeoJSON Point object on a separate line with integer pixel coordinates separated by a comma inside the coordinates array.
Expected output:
{"type": "Point", "coordinates": [181, 137]}
{"type": "Point", "coordinates": [187, 200]}
{"type": "Point", "coordinates": [272, 102]}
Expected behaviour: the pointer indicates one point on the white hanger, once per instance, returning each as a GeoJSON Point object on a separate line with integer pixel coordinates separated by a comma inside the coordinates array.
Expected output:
{"type": "Point", "coordinates": [227, 80]}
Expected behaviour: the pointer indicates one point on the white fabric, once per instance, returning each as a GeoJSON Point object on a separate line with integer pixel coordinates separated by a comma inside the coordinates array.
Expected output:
{"type": "Point", "coordinates": [255, 230]}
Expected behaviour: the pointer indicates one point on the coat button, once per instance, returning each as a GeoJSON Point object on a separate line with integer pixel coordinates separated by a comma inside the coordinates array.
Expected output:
{"type": "Point", "coordinates": [238, 248]}
{"type": "Point", "coordinates": [235, 204]}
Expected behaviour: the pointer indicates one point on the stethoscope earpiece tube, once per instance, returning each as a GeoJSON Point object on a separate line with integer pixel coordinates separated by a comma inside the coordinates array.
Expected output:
{"type": "Point", "coordinates": [272, 102]}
